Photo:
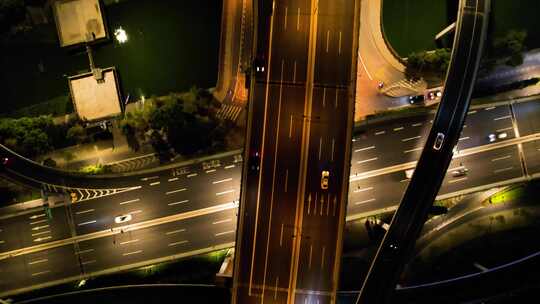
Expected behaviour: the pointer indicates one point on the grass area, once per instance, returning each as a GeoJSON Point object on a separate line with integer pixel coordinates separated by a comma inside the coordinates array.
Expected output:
{"type": "Point", "coordinates": [194, 270]}
{"type": "Point", "coordinates": [56, 106]}
{"type": "Point", "coordinates": [158, 58]}
{"type": "Point", "coordinates": [411, 25]}
{"type": "Point", "coordinates": [512, 194]}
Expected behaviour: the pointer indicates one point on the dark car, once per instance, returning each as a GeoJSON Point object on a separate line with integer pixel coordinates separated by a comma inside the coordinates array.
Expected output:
{"type": "Point", "coordinates": [259, 64]}
{"type": "Point", "coordinates": [255, 161]}
{"type": "Point", "coordinates": [416, 99]}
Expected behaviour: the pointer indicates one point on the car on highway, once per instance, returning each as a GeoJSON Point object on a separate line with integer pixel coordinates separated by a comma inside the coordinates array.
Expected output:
{"type": "Point", "coordinates": [6, 161]}
{"type": "Point", "coordinates": [123, 218]}
{"type": "Point", "coordinates": [460, 172]}
{"type": "Point", "coordinates": [325, 175]}
{"type": "Point", "coordinates": [494, 136]}
{"type": "Point", "coordinates": [434, 94]}
{"type": "Point", "coordinates": [439, 139]}
{"type": "Point", "coordinates": [416, 99]}
{"type": "Point", "coordinates": [255, 161]}
{"type": "Point", "coordinates": [259, 64]}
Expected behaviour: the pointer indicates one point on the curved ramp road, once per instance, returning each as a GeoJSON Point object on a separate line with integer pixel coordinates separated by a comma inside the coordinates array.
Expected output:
{"type": "Point", "coordinates": [436, 156]}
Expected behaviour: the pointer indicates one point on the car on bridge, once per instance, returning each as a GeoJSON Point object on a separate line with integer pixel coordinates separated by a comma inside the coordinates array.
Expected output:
{"type": "Point", "coordinates": [325, 175]}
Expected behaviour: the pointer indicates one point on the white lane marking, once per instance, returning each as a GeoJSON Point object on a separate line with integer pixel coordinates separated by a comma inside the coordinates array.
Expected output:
{"type": "Point", "coordinates": [86, 223]}
{"type": "Point", "coordinates": [294, 71]}
{"type": "Point", "coordinates": [505, 129]}
{"type": "Point", "coordinates": [489, 109]}
{"type": "Point", "coordinates": [177, 243]}
{"type": "Point", "coordinates": [130, 253]}
{"type": "Point", "coordinates": [399, 128]}
{"type": "Point", "coordinates": [502, 170]}
{"type": "Point", "coordinates": [310, 255]}
{"type": "Point", "coordinates": [37, 222]}
{"type": "Point", "coordinates": [412, 150]}
{"type": "Point", "coordinates": [172, 179]}
{"type": "Point", "coordinates": [286, 179]}
{"type": "Point", "coordinates": [225, 232]}
{"type": "Point", "coordinates": [211, 170]}
{"type": "Point", "coordinates": [175, 191]}
{"type": "Point", "coordinates": [327, 40]}
{"type": "Point", "coordinates": [222, 221]}
{"type": "Point", "coordinates": [43, 238]}
{"type": "Point", "coordinates": [364, 149]}
{"type": "Point", "coordinates": [222, 181]}
{"type": "Point", "coordinates": [339, 44]}
{"type": "Point", "coordinates": [38, 261]}
{"type": "Point", "coordinates": [411, 138]}
{"type": "Point", "coordinates": [40, 273]}
{"type": "Point", "coordinates": [225, 192]}
{"type": "Point", "coordinates": [320, 147]}
{"type": "Point", "coordinates": [40, 227]}
{"type": "Point", "coordinates": [35, 216]}
{"type": "Point", "coordinates": [471, 112]}
{"type": "Point", "coordinates": [191, 175]}
{"type": "Point", "coordinates": [457, 180]}
{"type": "Point", "coordinates": [365, 201]}
{"type": "Point", "coordinates": [503, 117]}
{"type": "Point", "coordinates": [298, 20]}
{"type": "Point", "coordinates": [464, 138]}
{"type": "Point", "coordinates": [229, 166]}
{"type": "Point", "coordinates": [85, 211]}
{"type": "Point", "coordinates": [175, 231]}
{"type": "Point", "coordinates": [129, 242]}
{"type": "Point", "coordinates": [403, 180]}
{"type": "Point", "coordinates": [366, 160]}
{"type": "Point", "coordinates": [135, 212]}
{"type": "Point", "coordinates": [281, 236]}
{"type": "Point", "coordinates": [177, 203]}
{"type": "Point", "coordinates": [88, 262]}
{"type": "Point", "coordinates": [501, 158]}
{"type": "Point", "coordinates": [86, 251]}
{"type": "Point", "coordinates": [155, 183]}
{"type": "Point", "coordinates": [333, 149]}
{"type": "Point", "coordinates": [149, 178]}
{"type": "Point", "coordinates": [130, 201]}
{"type": "Point", "coordinates": [380, 132]}
{"type": "Point", "coordinates": [365, 68]}
{"type": "Point", "coordinates": [363, 189]}
{"type": "Point", "coordinates": [40, 233]}
{"type": "Point", "coordinates": [418, 124]}
{"type": "Point", "coordinates": [285, 17]}
{"type": "Point", "coordinates": [290, 127]}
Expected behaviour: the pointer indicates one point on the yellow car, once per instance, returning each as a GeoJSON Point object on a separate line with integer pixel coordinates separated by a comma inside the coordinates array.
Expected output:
{"type": "Point", "coordinates": [324, 179]}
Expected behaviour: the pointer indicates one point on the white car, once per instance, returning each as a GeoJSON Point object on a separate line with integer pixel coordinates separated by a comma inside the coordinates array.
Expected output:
{"type": "Point", "coordinates": [324, 179]}
{"type": "Point", "coordinates": [123, 218]}
{"type": "Point", "coordinates": [439, 139]}
{"type": "Point", "coordinates": [493, 137]}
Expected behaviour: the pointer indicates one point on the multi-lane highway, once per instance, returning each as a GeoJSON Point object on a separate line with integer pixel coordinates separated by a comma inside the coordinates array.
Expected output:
{"type": "Point", "coordinates": [289, 237]}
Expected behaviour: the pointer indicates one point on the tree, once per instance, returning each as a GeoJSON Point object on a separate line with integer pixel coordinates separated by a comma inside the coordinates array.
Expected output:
{"type": "Point", "coordinates": [509, 47]}
{"type": "Point", "coordinates": [76, 133]}
{"type": "Point", "coordinates": [432, 64]}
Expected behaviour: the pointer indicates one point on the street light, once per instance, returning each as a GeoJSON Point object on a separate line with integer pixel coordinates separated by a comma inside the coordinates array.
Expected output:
{"type": "Point", "coordinates": [120, 35]}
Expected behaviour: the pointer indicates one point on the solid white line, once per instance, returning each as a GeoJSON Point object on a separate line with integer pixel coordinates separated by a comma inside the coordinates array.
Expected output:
{"type": "Point", "coordinates": [464, 138]}
{"type": "Point", "coordinates": [154, 183]}
{"type": "Point", "coordinates": [225, 192]}
{"type": "Point", "coordinates": [175, 231]}
{"type": "Point", "coordinates": [229, 166]}
{"type": "Point", "coordinates": [365, 68]}
{"type": "Point", "coordinates": [365, 201]}
{"type": "Point", "coordinates": [176, 203]}
{"type": "Point", "coordinates": [505, 129]}
{"type": "Point", "coordinates": [35, 216]}
{"type": "Point", "coordinates": [210, 171]}
{"type": "Point", "coordinates": [129, 242]}
{"type": "Point", "coordinates": [33, 223]}
{"type": "Point", "coordinates": [130, 253]}
{"type": "Point", "coordinates": [43, 238]}
{"type": "Point", "coordinates": [490, 108]}
{"type": "Point", "coordinates": [85, 211]}
{"type": "Point", "coordinates": [399, 128]}
{"type": "Point", "coordinates": [363, 189]}
{"type": "Point", "coordinates": [502, 170]}
{"type": "Point", "coordinates": [411, 138]}
{"type": "Point", "coordinates": [418, 124]}
{"type": "Point", "coordinates": [149, 178]}
{"type": "Point", "coordinates": [364, 149]}
{"type": "Point", "coordinates": [471, 112]}
{"type": "Point", "coordinates": [86, 251]}
{"type": "Point", "coordinates": [503, 117]}
{"type": "Point", "coordinates": [86, 223]}
{"type": "Point", "coordinates": [178, 243]}
{"type": "Point", "coordinates": [135, 212]}
{"type": "Point", "coordinates": [40, 273]}
{"type": "Point", "coordinates": [339, 44]}
{"type": "Point", "coordinates": [38, 261]}
{"type": "Point", "coordinates": [501, 158]}
{"type": "Point", "coordinates": [88, 262]}
{"type": "Point", "coordinates": [366, 160]}
{"type": "Point", "coordinates": [285, 17]}
{"type": "Point", "coordinates": [412, 150]}
{"type": "Point", "coordinates": [131, 201]}
{"type": "Point", "coordinates": [226, 232]}
{"type": "Point", "coordinates": [175, 191]}
{"type": "Point", "coordinates": [380, 132]}
{"type": "Point", "coordinates": [222, 181]}
{"type": "Point", "coordinates": [222, 221]}
{"type": "Point", "coordinates": [320, 147]}
{"type": "Point", "coordinates": [457, 180]}
{"type": "Point", "coordinates": [40, 227]}
{"type": "Point", "coordinates": [40, 233]}
{"type": "Point", "coordinates": [173, 179]}
{"type": "Point", "coordinates": [191, 175]}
